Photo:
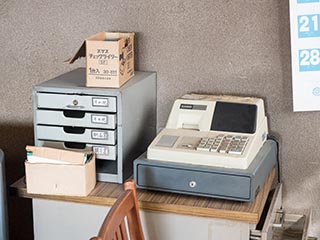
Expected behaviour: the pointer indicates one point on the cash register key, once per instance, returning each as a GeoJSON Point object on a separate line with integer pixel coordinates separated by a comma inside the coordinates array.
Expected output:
{"type": "Point", "coordinates": [207, 146]}
{"type": "Point", "coordinates": [203, 148]}
{"type": "Point", "coordinates": [219, 137]}
{"type": "Point", "coordinates": [223, 147]}
{"type": "Point", "coordinates": [223, 150]}
{"type": "Point", "coordinates": [187, 145]}
{"type": "Point", "coordinates": [241, 146]}
{"type": "Point", "coordinates": [240, 149]}
{"type": "Point", "coordinates": [214, 149]}
{"type": "Point", "coordinates": [235, 151]}
{"type": "Point", "coordinates": [234, 143]}
{"type": "Point", "coordinates": [203, 141]}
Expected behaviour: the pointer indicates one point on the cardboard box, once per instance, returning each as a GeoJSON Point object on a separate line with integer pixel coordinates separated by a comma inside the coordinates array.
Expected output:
{"type": "Point", "coordinates": [109, 59]}
{"type": "Point", "coordinates": [59, 172]}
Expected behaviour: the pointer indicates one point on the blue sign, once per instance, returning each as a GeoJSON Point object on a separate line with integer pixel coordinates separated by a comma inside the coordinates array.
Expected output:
{"type": "Point", "coordinates": [309, 60]}
{"type": "Point", "coordinates": [307, 1]}
{"type": "Point", "coordinates": [308, 26]}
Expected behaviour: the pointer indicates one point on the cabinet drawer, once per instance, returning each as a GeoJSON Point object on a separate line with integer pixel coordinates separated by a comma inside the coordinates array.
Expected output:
{"type": "Point", "coordinates": [280, 225]}
{"type": "Point", "coordinates": [76, 134]}
{"type": "Point", "coordinates": [76, 102]}
{"type": "Point", "coordinates": [103, 152]}
{"type": "Point", "coordinates": [264, 229]}
{"type": "Point", "coordinates": [76, 119]}
{"type": "Point", "coordinates": [294, 226]}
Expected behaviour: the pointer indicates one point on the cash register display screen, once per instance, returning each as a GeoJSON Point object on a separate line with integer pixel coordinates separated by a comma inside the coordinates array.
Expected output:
{"type": "Point", "coordinates": [234, 117]}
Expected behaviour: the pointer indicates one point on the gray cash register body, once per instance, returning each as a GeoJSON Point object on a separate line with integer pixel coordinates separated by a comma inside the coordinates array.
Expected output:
{"type": "Point", "coordinates": [218, 182]}
{"type": "Point", "coordinates": [116, 123]}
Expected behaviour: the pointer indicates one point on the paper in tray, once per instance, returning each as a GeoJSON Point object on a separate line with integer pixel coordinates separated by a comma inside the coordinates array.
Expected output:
{"type": "Point", "coordinates": [57, 156]}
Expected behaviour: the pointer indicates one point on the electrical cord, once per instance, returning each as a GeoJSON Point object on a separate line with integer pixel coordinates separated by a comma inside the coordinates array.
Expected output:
{"type": "Point", "coordinates": [272, 137]}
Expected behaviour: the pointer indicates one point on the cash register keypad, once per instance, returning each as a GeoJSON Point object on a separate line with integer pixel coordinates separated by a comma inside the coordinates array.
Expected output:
{"type": "Point", "coordinates": [232, 144]}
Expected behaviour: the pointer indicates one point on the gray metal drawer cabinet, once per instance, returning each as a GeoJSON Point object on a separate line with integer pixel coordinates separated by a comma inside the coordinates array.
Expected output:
{"type": "Point", "coordinates": [117, 124]}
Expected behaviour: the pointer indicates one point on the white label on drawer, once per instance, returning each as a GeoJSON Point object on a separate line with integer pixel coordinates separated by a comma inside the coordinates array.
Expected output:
{"type": "Point", "coordinates": [99, 135]}
{"type": "Point", "coordinates": [99, 119]}
{"type": "Point", "coordinates": [100, 102]}
{"type": "Point", "coordinates": [101, 150]}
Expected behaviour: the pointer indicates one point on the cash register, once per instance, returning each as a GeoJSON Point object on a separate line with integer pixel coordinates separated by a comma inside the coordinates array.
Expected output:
{"type": "Point", "coordinates": [222, 131]}
{"type": "Point", "coordinates": [211, 146]}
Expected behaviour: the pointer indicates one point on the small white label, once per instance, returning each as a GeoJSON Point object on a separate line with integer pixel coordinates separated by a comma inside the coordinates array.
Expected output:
{"type": "Point", "coordinates": [101, 150]}
{"type": "Point", "coordinates": [99, 135]}
{"type": "Point", "coordinates": [99, 119]}
{"type": "Point", "coordinates": [100, 102]}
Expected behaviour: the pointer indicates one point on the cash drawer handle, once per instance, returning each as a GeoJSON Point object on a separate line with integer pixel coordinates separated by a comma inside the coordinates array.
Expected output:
{"type": "Point", "coordinates": [74, 130]}
{"type": "Point", "coordinates": [73, 114]}
{"type": "Point", "coordinates": [74, 145]}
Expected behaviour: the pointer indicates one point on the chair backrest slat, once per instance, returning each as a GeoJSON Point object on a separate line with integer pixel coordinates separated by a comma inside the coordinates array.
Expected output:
{"type": "Point", "coordinates": [124, 210]}
{"type": "Point", "coordinates": [123, 231]}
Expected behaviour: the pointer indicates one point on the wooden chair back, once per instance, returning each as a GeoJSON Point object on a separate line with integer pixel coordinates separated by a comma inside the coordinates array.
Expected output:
{"type": "Point", "coordinates": [123, 220]}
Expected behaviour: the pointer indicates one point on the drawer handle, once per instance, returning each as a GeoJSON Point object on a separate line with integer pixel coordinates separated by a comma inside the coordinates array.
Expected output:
{"type": "Point", "coordinates": [279, 218]}
{"type": "Point", "coordinates": [75, 107]}
{"type": "Point", "coordinates": [73, 114]}
{"type": "Point", "coordinates": [75, 130]}
{"type": "Point", "coordinates": [74, 145]}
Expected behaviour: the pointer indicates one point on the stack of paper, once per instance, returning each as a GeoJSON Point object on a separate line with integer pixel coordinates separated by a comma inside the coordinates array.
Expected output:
{"type": "Point", "coordinates": [57, 156]}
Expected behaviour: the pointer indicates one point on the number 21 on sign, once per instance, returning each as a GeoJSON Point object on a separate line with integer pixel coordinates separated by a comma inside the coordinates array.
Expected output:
{"type": "Point", "coordinates": [308, 26]}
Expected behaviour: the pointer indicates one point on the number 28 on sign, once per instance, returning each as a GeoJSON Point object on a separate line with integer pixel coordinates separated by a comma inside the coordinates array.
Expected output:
{"type": "Point", "coordinates": [309, 60]}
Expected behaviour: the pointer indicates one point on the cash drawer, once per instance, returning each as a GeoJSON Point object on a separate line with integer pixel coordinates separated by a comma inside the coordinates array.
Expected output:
{"type": "Point", "coordinates": [76, 119]}
{"type": "Point", "coordinates": [103, 152]}
{"type": "Point", "coordinates": [76, 134]}
{"type": "Point", "coordinates": [76, 102]}
{"type": "Point", "coordinates": [193, 182]}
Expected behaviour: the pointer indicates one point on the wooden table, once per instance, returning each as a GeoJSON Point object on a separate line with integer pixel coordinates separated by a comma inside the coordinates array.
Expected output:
{"type": "Point", "coordinates": [105, 194]}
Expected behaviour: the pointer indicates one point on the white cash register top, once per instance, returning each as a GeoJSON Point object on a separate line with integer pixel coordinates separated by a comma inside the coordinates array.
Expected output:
{"type": "Point", "coordinates": [226, 98]}
{"type": "Point", "coordinates": [213, 130]}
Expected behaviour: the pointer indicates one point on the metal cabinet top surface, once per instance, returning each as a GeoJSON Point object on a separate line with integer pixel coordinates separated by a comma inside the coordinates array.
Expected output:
{"type": "Point", "coordinates": [74, 82]}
